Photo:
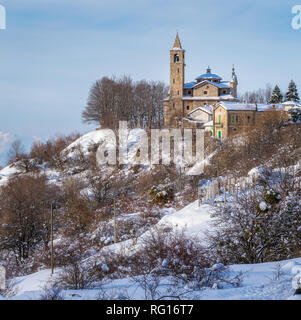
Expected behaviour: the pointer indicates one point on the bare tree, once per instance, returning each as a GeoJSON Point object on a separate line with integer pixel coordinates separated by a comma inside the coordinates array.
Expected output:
{"type": "Point", "coordinates": [15, 151]}
{"type": "Point", "coordinates": [257, 96]}
{"type": "Point", "coordinates": [23, 214]}
{"type": "Point", "coordinates": [140, 103]}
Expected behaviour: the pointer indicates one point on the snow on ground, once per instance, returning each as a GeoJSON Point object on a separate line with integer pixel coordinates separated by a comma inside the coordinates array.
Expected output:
{"type": "Point", "coordinates": [198, 168]}
{"type": "Point", "coordinates": [259, 280]}
{"type": "Point", "coordinates": [107, 139]}
{"type": "Point", "coordinates": [259, 283]}
{"type": "Point", "coordinates": [6, 173]}
{"type": "Point", "coordinates": [88, 140]}
{"type": "Point", "coordinates": [193, 219]}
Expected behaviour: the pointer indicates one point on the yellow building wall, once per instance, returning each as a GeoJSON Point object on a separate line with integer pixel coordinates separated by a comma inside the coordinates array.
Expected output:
{"type": "Point", "coordinates": [212, 91]}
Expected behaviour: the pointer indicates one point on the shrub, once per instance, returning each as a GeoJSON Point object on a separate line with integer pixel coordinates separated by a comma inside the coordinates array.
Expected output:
{"type": "Point", "coordinates": [259, 227]}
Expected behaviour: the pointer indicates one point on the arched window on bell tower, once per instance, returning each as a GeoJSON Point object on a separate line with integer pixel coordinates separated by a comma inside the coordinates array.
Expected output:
{"type": "Point", "coordinates": [176, 58]}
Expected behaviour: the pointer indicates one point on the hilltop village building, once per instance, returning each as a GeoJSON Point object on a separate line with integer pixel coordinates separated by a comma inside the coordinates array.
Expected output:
{"type": "Point", "coordinates": [209, 102]}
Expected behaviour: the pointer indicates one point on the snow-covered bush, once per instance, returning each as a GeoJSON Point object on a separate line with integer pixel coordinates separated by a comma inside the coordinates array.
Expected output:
{"type": "Point", "coordinates": [76, 276]}
{"type": "Point", "coordinates": [128, 227]}
{"type": "Point", "coordinates": [166, 252]}
{"type": "Point", "coordinates": [260, 226]}
{"type": "Point", "coordinates": [169, 254]}
{"type": "Point", "coordinates": [161, 194]}
{"type": "Point", "coordinates": [52, 293]}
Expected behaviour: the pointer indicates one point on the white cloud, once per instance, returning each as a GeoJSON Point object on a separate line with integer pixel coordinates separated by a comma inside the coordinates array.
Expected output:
{"type": "Point", "coordinates": [5, 138]}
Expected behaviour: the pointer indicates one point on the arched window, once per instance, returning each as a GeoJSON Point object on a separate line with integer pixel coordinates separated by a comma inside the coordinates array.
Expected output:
{"type": "Point", "coordinates": [176, 58]}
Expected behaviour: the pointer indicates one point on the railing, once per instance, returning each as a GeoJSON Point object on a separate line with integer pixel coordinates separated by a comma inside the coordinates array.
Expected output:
{"type": "Point", "coordinates": [226, 186]}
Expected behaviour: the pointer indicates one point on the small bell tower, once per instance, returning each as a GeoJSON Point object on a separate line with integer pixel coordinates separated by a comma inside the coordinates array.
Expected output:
{"type": "Point", "coordinates": [234, 83]}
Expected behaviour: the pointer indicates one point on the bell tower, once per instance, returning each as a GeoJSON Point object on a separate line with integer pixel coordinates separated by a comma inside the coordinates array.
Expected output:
{"type": "Point", "coordinates": [177, 73]}
{"type": "Point", "coordinates": [234, 83]}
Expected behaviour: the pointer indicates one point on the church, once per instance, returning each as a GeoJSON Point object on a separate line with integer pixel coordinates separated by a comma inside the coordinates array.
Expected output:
{"type": "Point", "coordinates": [209, 102]}
{"type": "Point", "coordinates": [194, 100]}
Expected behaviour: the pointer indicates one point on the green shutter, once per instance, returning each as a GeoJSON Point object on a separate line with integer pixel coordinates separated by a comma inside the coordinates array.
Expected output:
{"type": "Point", "coordinates": [219, 134]}
{"type": "Point", "coordinates": [219, 119]}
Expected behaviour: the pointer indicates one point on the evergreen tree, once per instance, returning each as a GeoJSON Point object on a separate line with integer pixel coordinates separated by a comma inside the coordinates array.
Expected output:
{"type": "Point", "coordinates": [292, 93]}
{"type": "Point", "coordinates": [276, 96]}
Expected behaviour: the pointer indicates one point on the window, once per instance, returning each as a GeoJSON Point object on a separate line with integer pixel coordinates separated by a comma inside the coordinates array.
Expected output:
{"type": "Point", "coordinates": [178, 92]}
{"type": "Point", "coordinates": [189, 92]}
{"type": "Point", "coordinates": [219, 119]}
{"type": "Point", "coordinates": [178, 70]}
{"type": "Point", "coordinates": [173, 80]}
{"type": "Point", "coordinates": [187, 107]}
{"type": "Point", "coordinates": [249, 118]}
{"type": "Point", "coordinates": [205, 92]}
{"type": "Point", "coordinates": [176, 58]}
{"type": "Point", "coordinates": [219, 134]}
{"type": "Point", "coordinates": [225, 91]}
{"type": "Point", "coordinates": [234, 129]}
{"type": "Point", "coordinates": [234, 119]}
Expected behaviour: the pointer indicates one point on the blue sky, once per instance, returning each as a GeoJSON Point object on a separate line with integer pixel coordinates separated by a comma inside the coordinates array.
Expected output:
{"type": "Point", "coordinates": [53, 50]}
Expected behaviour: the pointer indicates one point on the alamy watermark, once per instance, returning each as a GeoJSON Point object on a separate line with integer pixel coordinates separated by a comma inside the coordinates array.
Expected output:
{"type": "Point", "coordinates": [2, 17]}
{"type": "Point", "coordinates": [137, 147]}
{"type": "Point", "coordinates": [296, 21]}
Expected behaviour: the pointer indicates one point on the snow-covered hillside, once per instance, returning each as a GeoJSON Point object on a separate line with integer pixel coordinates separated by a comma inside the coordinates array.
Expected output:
{"type": "Point", "coordinates": [267, 281]}
{"type": "Point", "coordinates": [274, 280]}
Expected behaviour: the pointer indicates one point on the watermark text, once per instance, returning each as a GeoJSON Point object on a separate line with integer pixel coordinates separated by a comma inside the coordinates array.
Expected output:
{"type": "Point", "coordinates": [2, 17]}
{"type": "Point", "coordinates": [296, 21]}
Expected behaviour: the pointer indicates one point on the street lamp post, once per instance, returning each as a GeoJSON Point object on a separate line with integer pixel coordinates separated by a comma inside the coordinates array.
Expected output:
{"type": "Point", "coordinates": [51, 235]}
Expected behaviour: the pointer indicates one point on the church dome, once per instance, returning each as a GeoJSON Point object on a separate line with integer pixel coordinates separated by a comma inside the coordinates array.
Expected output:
{"type": "Point", "coordinates": [208, 76]}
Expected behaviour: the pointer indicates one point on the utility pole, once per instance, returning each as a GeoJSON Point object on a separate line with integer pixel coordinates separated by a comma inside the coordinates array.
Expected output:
{"type": "Point", "coordinates": [115, 225]}
{"type": "Point", "coordinates": [51, 233]}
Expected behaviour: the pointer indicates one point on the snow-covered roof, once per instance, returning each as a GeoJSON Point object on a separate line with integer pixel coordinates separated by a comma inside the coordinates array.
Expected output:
{"type": "Point", "coordinates": [209, 75]}
{"type": "Point", "coordinates": [208, 124]}
{"type": "Point", "coordinates": [189, 85]}
{"type": "Point", "coordinates": [292, 103]}
{"type": "Point", "coordinates": [207, 109]}
{"type": "Point", "coordinates": [234, 106]}
{"type": "Point", "coordinates": [219, 98]}
{"type": "Point", "coordinates": [221, 85]}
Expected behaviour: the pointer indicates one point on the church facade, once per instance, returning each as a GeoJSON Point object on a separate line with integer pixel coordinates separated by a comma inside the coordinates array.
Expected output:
{"type": "Point", "coordinates": [190, 104]}
{"type": "Point", "coordinates": [209, 102]}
